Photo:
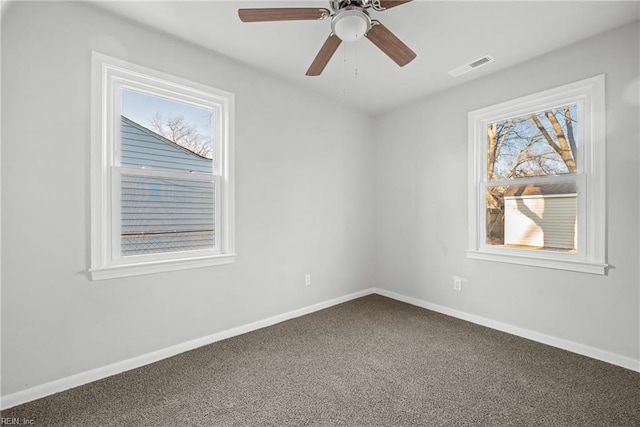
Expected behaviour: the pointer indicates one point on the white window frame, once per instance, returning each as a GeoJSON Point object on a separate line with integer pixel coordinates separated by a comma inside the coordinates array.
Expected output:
{"type": "Point", "coordinates": [590, 178]}
{"type": "Point", "coordinates": [109, 76]}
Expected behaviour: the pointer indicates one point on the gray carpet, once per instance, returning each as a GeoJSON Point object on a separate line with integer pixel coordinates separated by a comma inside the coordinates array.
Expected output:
{"type": "Point", "coordinates": [368, 362]}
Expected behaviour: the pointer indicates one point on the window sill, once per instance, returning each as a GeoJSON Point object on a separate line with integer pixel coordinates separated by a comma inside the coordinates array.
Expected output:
{"type": "Point", "coordinates": [116, 271]}
{"type": "Point", "coordinates": [581, 266]}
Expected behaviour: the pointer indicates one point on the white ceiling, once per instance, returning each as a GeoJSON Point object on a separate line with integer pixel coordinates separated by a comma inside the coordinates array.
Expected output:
{"type": "Point", "coordinates": [444, 34]}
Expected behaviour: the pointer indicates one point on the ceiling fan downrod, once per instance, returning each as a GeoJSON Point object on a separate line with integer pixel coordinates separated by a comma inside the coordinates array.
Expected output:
{"type": "Point", "coordinates": [337, 5]}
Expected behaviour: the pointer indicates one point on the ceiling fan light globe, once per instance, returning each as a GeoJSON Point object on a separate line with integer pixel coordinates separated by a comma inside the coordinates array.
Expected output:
{"type": "Point", "coordinates": [350, 25]}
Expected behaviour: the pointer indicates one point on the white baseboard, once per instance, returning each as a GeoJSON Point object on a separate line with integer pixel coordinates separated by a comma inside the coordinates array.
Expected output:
{"type": "Point", "coordinates": [82, 378]}
{"type": "Point", "coordinates": [585, 350]}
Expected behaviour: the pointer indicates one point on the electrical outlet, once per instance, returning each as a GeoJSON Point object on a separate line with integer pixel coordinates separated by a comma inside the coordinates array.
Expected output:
{"type": "Point", "coordinates": [307, 279]}
{"type": "Point", "coordinates": [457, 283]}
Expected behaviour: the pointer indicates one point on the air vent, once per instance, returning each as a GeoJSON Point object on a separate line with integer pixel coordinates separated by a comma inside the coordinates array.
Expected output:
{"type": "Point", "coordinates": [471, 66]}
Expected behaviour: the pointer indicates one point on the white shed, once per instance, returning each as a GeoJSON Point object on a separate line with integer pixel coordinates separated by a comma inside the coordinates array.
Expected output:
{"type": "Point", "coordinates": [541, 220]}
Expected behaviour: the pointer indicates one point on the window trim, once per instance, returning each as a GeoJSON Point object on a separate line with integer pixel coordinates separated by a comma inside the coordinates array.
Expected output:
{"type": "Point", "coordinates": [108, 76]}
{"type": "Point", "coordinates": [590, 178]}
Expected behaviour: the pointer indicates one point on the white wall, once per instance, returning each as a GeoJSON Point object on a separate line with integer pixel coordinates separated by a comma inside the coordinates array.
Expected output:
{"type": "Point", "coordinates": [307, 200]}
{"type": "Point", "coordinates": [304, 198]}
{"type": "Point", "coordinates": [422, 192]}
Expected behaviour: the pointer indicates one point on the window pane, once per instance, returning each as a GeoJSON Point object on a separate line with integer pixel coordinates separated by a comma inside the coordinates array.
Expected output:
{"type": "Point", "coordinates": [537, 144]}
{"type": "Point", "coordinates": [161, 133]}
{"type": "Point", "coordinates": [532, 216]}
{"type": "Point", "coordinates": [166, 215]}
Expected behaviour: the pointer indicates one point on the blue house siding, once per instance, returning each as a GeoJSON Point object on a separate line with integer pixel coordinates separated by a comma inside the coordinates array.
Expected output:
{"type": "Point", "coordinates": [161, 214]}
{"type": "Point", "coordinates": [142, 147]}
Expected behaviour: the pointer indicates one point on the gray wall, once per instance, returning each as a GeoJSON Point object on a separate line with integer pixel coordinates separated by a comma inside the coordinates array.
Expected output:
{"type": "Point", "coordinates": [309, 199]}
{"type": "Point", "coordinates": [422, 192]}
{"type": "Point", "coordinates": [304, 197]}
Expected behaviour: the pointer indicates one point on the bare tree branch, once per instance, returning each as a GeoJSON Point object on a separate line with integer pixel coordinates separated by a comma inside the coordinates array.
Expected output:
{"type": "Point", "coordinates": [569, 123]}
{"type": "Point", "coordinates": [176, 129]}
{"type": "Point", "coordinates": [544, 132]}
{"type": "Point", "coordinates": [565, 150]}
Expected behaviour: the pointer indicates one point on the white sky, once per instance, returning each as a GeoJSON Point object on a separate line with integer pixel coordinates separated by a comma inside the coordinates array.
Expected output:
{"type": "Point", "coordinates": [141, 107]}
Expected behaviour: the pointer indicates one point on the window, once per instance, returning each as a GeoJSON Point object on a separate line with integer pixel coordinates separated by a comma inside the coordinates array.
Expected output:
{"type": "Point", "coordinates": [162, 172]}
{"type": "Point", "coordinates": [536, 179]}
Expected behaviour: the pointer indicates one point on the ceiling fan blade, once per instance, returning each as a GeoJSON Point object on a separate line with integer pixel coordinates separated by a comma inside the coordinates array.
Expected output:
{"type": "Point", "coordinates": [283, 14]}
{"type": "Point", "coordinates": [390, 44]}
{"type": "Point", "coordinates": [322, 58]}
{"type": "Point", "coordinates": [388, 4]}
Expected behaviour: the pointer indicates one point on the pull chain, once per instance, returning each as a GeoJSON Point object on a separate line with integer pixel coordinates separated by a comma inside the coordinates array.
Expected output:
{"type": "Point", "coordinates": [344, 62]}
{"type": "Point", "coordinates": [356, 61]}
{"type": "Point", "coordinates": [345, 65]}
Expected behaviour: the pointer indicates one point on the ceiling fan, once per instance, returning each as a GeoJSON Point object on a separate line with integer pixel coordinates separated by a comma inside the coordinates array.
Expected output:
{"type": "Point", "coordinates": [350, 21]}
